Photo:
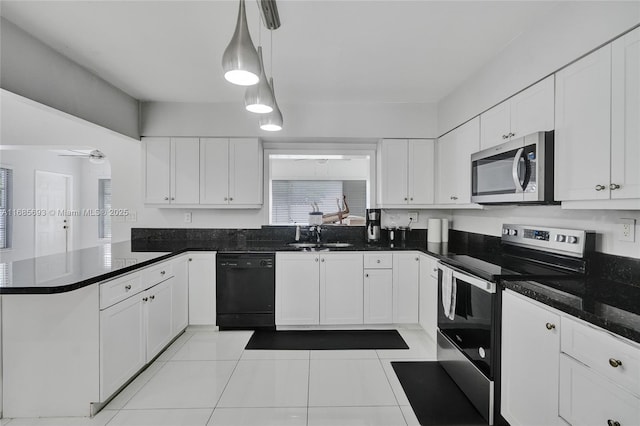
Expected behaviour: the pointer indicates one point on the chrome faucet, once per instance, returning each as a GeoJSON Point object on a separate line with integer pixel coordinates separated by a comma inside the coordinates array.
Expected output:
{"type": "Point", "coordinates": [316, 230]}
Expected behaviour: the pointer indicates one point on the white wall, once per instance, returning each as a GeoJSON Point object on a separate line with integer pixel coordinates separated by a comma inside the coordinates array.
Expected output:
{"type": "Point", "coordinates": [320, 120]}
{"type": "Point", "coordinates": [603, 222]}
{"type": "Point", "coordinates": [568, 32]}
{"type": "Point", "coordinates": [32, 69]}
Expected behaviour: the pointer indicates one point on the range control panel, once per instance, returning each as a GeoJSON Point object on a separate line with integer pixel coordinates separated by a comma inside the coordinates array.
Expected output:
{"type": "Point", "coordinates": [571, 242]}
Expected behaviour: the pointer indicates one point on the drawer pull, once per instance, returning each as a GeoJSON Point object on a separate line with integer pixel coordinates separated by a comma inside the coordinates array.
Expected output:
{"type": "Point", "coordinates": [550, 326]}
{"type": "Point", "coordinates": [378, 261]}
{"type": "Point", "coordinates": [127, 287]}
{"type": "Point", "coordinates": [600, 187]}
{"type": "Point", "coordinates": [151, 297]}
{"type": "Point", "coordinates": [613, 422]}
{"type": "Point", "coordinates": [615, 363]}
{"type": "Point", "coordinates": [162, 272]}
{"type": "Point", "coordinates": [366, 275]}
{"type": "Point", "coordinates": [144, 299]}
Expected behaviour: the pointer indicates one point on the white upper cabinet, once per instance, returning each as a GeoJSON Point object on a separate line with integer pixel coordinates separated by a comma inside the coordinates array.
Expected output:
{"type": "Point", "coordinates": [453, 153]}
{"type": "Point", "coordinates": [527, 112]}
{"type": "Point", "coordinates": [583, 128]}
{"type": "Point", "coordinates": [171, 170]}
{"type": "Point", "coordinates": [405, 172]}
{"type": "Point", "coordinates": [625, 116]}
{"type": "Point", "coordinates": [231, 172]}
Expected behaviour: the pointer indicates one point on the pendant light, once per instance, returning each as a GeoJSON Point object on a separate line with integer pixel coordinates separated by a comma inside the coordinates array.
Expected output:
{"type": "Point", "coordinates": [259, 98]}
{"type": "Point", "coordinates": [272, 122]}
{"type": "Point", "coordinates": [240, 60]}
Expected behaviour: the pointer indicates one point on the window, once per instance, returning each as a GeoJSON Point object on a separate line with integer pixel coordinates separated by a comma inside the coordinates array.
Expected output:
{"type": "Point", "coordinates": [104, 204]}
{"type": "Point", "coordinates": [291, 199]}
{"type": "Point", "coordinates": [6, 177]}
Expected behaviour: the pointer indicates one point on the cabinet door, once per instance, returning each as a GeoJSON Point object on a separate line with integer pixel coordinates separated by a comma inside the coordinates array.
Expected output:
{"type": "Point", "coordinates": [185, 171]}
{"type": "Point", "coordinates": [214, 171]}
{"type": "Point", "coordinates": [156, 168]}
{"type": "Point", "coordinates": [406, 275]}
{"type": "Point", "coordinates": [625, 116]}
{"type": "Point", "coordinates": [245, 175]}
{"type": "Point", "coordinates": [122, 344]}
{"type": "Point", "coordinates": [582, 135]}
{"type": "Point", "coordinates": [378, 296]}
{"type": "Point", "coordinates": [589, 399]}
{"type": "Point", "coordinates": [392, 173]}
{"type": "Point", "coordinates": [180, 295]}
{"type": "Point", "coordinates": [495, 125]}
{"type": "Point", "coordinates": [532, 109]}
{"type": "Point", "coordinates": [530, 362]}
{"type": "Point", "coordinates": [158, 317]}
{"type": "Point", "coordinates": [297, 289]}
{"type": "Point", "coordinates": [467, 142]}
{"type": "Point", "coordinates": [341, 288]}
{"type": "Point", "coordinates": [421, 162]}
{"type": "Point", "coordinates": [446, 170]}
{"type": "Point", "coordinates": [428, 305]}
{"type": "Point", "coordinates": [202, 288]}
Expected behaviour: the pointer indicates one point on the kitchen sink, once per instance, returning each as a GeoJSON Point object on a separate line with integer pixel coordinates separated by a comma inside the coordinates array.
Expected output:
{"type": "Point", "coordinates": [337, 245]}
{"type": "Point", "coordinates": [303, 245]}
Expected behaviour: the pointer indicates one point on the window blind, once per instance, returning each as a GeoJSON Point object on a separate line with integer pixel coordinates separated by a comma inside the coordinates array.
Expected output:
{"type": "Point", "coordinates": [104, 204]}
{"type": "Point", "coordinates": [6, 177]}
{"type": "Point", "coordinates": [291, 199]}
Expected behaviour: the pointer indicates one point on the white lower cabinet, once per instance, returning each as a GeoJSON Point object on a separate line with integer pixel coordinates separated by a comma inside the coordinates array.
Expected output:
{"type": "Point", "coordinates": [180, 294]}
{"type": "Point", "coordinates": [428, 303]}
{"type": "Point", "coordinates": [406, 274]}
{"type": "Point", "coordinates": [297, 289]}
{"type": "Point", "coordinates": [157, 314]}
{"type": "Point", "coordinates": [202, 288]}
{"type": "Point", "coordinates": [378, 296]}
{"type": "Point", "coordinates": [530, 363]}
{"type": "Point", "coordinates": [341, 288]}
{"type": "Point", "coordinates": [122, 344]}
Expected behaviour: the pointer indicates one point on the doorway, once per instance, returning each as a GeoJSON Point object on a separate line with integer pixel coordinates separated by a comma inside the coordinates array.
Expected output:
{"type": "Point", "coordinates": [53, 201]}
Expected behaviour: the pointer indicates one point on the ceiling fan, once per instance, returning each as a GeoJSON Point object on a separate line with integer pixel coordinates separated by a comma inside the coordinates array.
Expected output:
{"type": "Point", "coordinates": [95, 156]}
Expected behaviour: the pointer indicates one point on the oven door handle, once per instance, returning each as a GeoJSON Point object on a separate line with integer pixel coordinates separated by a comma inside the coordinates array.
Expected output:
{"type": "Point", "coordinates": [483, 285]}
{"type": "Point", "coordinates": [514, 170]}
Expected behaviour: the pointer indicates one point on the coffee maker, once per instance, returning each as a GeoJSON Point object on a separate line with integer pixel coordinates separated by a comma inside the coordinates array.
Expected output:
{"type": "Point", "coordinates": [374, 218]}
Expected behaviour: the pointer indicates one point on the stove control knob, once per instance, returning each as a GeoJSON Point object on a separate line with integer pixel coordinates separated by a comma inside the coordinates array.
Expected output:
{"type": "Point", "coordinates": [505, 231]}
{"type": "Point", "coordinates": [513, 232]}
{"type": "Point", "coordinates": [561, 238]}
{"type": "Point", "coordinates": [572, 240]}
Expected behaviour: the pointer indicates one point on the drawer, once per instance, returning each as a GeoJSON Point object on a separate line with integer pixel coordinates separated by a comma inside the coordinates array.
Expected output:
{"type": "Point", "coordinates": [604, 353]}
{"type": "Point", "coordinates": [112, 292]}
{"type": "Point", "coordinates": [378, 260]}
{"type": "Point", "coordinates": [587, 398]}
{"type": "Point", "coordinates": [156, 274]}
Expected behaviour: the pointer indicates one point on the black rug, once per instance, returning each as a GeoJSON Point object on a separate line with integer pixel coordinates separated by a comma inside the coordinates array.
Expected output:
{"type": "Point", "coordinates": [326, 340]}
{"type": "Point", "coordinates": [434, 397]}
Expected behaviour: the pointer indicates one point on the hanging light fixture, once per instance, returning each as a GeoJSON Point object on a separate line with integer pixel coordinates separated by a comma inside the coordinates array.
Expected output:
{"type": "Point", "coordinates": [259, 98]}
{"type": "Point", "coordinates": [240, 60]}
{"type": "Point", "coordinates": [272, 121]}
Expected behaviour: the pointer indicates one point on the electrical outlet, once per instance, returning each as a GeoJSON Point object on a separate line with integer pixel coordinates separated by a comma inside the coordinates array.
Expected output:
{"type": "Point", "coordinates": [627, 229]}
{"type": "Point", "coordinates": [413, 217]}
{"type": "Point", "coordinates": [187, 217]}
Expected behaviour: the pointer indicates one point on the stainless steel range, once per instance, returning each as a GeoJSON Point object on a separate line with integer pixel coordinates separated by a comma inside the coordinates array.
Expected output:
{"type": "Point", "coordinates": [470, 302]}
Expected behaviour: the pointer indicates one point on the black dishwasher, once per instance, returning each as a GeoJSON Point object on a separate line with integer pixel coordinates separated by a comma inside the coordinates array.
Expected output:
{"type": "Point", "coordinates": [245, 291]}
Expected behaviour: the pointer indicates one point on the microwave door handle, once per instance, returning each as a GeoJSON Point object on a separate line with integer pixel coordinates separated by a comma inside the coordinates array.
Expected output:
{"type": "Point", "coordinates": [514, 170]}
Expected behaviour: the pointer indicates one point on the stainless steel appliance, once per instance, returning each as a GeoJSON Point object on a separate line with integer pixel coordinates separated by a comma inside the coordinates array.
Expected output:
{"type": "Point", "coordinates": [518, 171]}
{"type": "Point", "coordinates": [470, 302]}
{"type": "Point", "coordinates": [245, 291]}
{"type": "Point", "coordinates": [374, 217]}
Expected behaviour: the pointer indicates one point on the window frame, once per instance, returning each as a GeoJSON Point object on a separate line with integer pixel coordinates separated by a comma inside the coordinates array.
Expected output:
{"type": "Point", "coordinates": [9, 219]}
{"type": "Point", "coordinates": [103, 217]}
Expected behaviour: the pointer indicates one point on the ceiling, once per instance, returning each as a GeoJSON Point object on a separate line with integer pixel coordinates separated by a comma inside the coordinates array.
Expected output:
{"type": "Point", "coordinates": [325, 51]}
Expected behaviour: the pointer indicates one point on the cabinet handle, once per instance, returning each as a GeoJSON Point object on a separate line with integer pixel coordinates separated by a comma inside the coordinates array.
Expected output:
{"type": "Point", "coordinates": [144, 299]}
{"type": "Point", "coordinates": [190, 259]}
{"type": "Point", "coordinates": [615, 363]}
{"type": "Point", "coordinates": [162, 272]}
{"type": "Point", "coordinates": [613, 423]}
{"type": "Point", "coordinates": [600, 187]}
{"type": "Point", "coordinates": [166, 198]}
{"type": "Point", "coordinates": [417, 259]}
{"type": "Point", "coordinates": [366, 275]}
{"type": "Point", "coordinates": [173, 198]}
{"type": "Point", "coordinates": [230, 198]}
{"type": "Point", "coordinates": [405, 198]}
{"type": "Point", "coordinates": [316, 259]}
{"type": "Point", "coordinates": [512, 134]}
{"type": "Point", "coordinates": [411, 198]}
{"type": "Point", "coordinates": [226, 199]}
{"type": "Point", "coordinates": [614, 186]}
{"type": "Point", "coordinates": [322, 260]}
{"type": "Point", "coordinates": [152, 297]}
{"type": "Point", "coordinates": [435, 269]}
{"type": "Point", "coordinates": [505, 136]}
{"type": "Point", "coordinates": [550, 326]}
{"type": "Point", "coordinates": [127, 287]}
{"type": "Point", "coordinates": [453, 197]}
{"type": "Point", "coordinates": [378, 261]}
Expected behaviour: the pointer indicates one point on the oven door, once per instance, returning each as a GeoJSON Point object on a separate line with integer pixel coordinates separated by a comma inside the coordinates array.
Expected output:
{"type": "Point", "coordinates": [505, 173]}
{"type": "Point", "coordinates": [467, 316]}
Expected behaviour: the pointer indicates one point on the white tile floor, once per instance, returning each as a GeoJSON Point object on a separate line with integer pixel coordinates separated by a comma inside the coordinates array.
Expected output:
{"type": "Point", "coordinates": [206, 378]}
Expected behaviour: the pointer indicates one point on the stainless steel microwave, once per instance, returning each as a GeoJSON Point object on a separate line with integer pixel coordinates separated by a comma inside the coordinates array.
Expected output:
{"type": "Point", "coordinates": [518, 171]}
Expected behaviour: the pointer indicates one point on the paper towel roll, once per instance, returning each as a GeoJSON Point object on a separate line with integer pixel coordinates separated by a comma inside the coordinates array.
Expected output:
{"type": "Point", "coordinates": [434, 230]}
{"type": "Point", "coordinates": [445, 230]}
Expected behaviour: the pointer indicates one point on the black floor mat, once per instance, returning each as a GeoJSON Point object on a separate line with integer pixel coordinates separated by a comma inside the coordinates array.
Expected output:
{"type": "Point", "coordinates": [434, 397]}
{"type": "Point", "coordinates": [327, 340]}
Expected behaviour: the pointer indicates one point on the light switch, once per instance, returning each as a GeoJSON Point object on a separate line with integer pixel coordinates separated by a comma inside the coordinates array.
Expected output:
{"type": "Point", "coordinates": [187, 217]}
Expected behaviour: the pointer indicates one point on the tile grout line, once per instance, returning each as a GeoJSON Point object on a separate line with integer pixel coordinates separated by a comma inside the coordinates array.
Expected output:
{"type": "Point", "coordinates": [380, 360]}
